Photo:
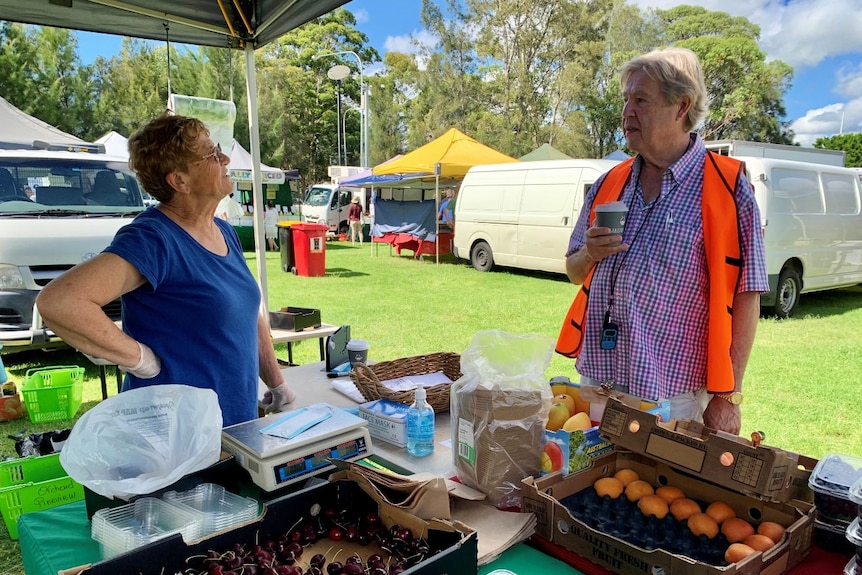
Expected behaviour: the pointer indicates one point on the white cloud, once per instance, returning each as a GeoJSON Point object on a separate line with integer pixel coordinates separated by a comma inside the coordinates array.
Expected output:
{"type": "Point", "coordinates": [410, 43]}
{"type": "Point", "coordinates": [361, 15]}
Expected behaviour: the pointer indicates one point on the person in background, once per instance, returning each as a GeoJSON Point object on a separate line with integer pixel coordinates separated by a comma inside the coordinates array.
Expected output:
{"type": "Point", "coordinates": [441, 213]}
{"type": "Point", "coordinates": [229, 209]}
{"type": "Point", "coordinates": [449, 212]}
{"type": "Point", "coordinates": [670, 313]}
{"type": "Point", "coordinates": [270, 226]}
{"type": "Point", "coordinates": [28, 191]}
{"type": "Point", "coordinates": [354, 220]}
{"type": "Point", "coordinates": [190, 303]}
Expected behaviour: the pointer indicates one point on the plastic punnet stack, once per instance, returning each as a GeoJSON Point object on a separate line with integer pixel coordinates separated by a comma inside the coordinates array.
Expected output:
{"type": "Point", "coordinates": [217, 509]}
{"type": "Point", "coordinates": [831, 481]}
{"type": "Point", "coordinates": [121, 529]}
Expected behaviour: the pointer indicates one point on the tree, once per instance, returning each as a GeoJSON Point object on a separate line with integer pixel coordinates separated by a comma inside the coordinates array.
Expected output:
{"type": "Point", "coordinates": [744, 91]}
{"type": "Point", "coordinates": [850, 144]}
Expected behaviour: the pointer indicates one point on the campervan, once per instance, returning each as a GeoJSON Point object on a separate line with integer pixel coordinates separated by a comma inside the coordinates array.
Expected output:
{"type": "Point", "coordinates": [57, 208]}
{"type": "Point", "coordinates": [521, 214]}
{"type": "Point", "coordinates": [328, 203]}
{"type": "Point", "coordinates": [812, 228]}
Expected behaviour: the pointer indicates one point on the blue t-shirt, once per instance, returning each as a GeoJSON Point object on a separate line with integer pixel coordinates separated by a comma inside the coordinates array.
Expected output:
{"type": "Point", "coordinates": [198, 312]}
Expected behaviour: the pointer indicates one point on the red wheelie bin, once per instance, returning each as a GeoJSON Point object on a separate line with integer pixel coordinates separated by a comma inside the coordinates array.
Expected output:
{"type": "Point", "coordinates": [309, 249]}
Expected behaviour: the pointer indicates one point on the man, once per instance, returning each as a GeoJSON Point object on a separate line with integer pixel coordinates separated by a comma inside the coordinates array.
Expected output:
{"type": "Point", "coordinates": [671, 312]}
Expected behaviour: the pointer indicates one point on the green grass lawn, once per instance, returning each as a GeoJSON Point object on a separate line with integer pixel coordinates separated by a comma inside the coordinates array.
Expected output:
{"type": "Point", "coordinates": [802, 386]}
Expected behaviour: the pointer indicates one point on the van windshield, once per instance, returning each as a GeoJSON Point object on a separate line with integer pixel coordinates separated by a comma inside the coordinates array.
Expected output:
{"type": "Point", "coordinates": [318, 197]}
{"type": "Point", "coordinates": [86, 185]}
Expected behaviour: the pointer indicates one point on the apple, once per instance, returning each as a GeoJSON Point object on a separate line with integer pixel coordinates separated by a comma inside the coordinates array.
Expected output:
{"type": "Point", "coordinates": [557, 416]}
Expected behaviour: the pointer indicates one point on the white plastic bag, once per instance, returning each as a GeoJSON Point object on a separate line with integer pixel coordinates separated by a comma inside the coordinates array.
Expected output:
{"type": "Point", "coordinates": [498, 411]}
{"type": "Point", "coordinates": [144, 439]}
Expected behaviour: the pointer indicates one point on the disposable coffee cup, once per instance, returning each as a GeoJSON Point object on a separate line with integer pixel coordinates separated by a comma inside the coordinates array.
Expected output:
{"type": "Point", "coordinates": [357, 351]}
{"type": "Point", "coordinates": [612, 215]}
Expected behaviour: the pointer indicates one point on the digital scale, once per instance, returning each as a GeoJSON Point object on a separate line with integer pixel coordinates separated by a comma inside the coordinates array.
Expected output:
{"type": "Point", "coordinates": [274, 462]}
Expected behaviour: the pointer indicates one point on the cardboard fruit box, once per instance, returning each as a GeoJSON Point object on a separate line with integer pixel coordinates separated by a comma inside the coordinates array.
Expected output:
{"type": "Point", "coordinates": [573, 450]}
{"type": "Point", "coordinates": [457, 542]}
{"type": "Point", "coordinates": [550, 498]}
{"type": "Point", "coordinates": [726, 460]}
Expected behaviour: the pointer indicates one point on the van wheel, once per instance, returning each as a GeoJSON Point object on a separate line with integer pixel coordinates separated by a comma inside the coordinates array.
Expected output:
{"type": "Point", "coordinates": [481, 257]}
{"type": "Point", "coordinates": [787, 293]}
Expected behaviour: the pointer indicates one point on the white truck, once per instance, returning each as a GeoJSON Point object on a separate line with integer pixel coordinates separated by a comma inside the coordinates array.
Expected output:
{"type": "Point", "coordinates": [57, 209]}
{"type": "Point", "coordinates": [328, 203]}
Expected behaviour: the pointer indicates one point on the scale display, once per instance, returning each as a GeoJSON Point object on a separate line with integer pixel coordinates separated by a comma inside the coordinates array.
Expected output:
{"type": "Point", "coordinates": [319, 460]}
{"type": "Point", "coordinates": [275, 462]}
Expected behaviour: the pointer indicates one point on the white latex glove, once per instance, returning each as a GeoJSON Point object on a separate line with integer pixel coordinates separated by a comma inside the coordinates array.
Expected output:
{"type": "Point", "coordinates": [149, 365]}
{"type": "Point", "coordinates": [277, 398]}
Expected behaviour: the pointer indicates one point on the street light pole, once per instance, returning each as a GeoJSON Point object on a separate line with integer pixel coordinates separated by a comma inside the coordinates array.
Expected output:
{"type": "Point", "coordinates": [363, 104]}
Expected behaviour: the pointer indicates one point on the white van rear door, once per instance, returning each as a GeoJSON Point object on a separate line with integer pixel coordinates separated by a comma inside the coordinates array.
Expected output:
{"type": "Point", "coordinates": [550, 204]}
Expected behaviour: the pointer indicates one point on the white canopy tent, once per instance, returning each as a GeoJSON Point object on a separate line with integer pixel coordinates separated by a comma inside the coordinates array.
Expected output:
{"type": "Point", "coordinates": [247, 25]}
{"type": "Point", "coordinates": [115, 144]}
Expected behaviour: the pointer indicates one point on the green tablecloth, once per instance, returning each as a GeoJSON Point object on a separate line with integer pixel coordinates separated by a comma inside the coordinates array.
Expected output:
{"type": "Point", "coordinates": [59, 538]}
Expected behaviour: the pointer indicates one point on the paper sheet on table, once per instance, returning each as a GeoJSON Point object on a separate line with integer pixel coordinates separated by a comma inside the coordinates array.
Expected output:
{"type": "Point", "coordinates": [497, 530]}
{"type": "Point", "coordinates": [348, 388]}
{"type": "Point", "coordinates": [294, 423]}
{"type": "Point", "coordinates": [408, 382]}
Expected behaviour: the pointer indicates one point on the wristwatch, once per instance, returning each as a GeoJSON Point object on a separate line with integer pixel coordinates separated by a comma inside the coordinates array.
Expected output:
{"type": "Point", "coordinates": [733, 397]}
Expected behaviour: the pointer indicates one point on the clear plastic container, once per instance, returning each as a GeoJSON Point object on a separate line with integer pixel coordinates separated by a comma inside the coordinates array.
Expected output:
{"type": "Point", "coordinates": [856, 497]}
{"type": "Point", "coordinates": [121, 529]}
{"type": "Point", "coordinates": [854, 536]}
{"type": "Point", "coordinates": [832, 538]}
{"type": "Point", "coordinates": [853, 567]}
{"type": "Point", "coordinates": [831, 481]}
{"type": "Point", "coordinates": [218, 509]}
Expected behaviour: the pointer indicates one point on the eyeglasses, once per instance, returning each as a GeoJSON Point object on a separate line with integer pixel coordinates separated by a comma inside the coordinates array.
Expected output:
{"type": "Point", "coordinates": [216, 154]}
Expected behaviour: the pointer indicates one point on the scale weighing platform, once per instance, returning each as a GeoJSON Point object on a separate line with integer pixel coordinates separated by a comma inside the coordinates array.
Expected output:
{"type": "Point", "coordinates": [276, 461]}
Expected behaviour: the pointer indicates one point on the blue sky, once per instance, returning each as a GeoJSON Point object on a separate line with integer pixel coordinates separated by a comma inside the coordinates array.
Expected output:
{"type": "Point", "coordinates": [821, 39]}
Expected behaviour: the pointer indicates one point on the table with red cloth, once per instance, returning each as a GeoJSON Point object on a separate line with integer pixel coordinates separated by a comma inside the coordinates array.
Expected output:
{"type": "Point", "coordinates": [419, 247]}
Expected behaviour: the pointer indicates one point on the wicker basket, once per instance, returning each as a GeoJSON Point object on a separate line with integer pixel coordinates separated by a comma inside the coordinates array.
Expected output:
{"type": "Point", "coordinates": [368, 377]}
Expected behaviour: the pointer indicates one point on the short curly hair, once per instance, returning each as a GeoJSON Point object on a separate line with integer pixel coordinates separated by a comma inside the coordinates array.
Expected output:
{"type": "Point", "coordinates": [678, 72]}
{"type": "Point", "coordinates": [162, 146]}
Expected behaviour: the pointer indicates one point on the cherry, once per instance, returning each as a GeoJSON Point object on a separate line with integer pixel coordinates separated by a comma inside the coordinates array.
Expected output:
{"type": "Point", "coordinates": [318, 561]}
{"type": "Point", "coordinates": [377, 571]}
{"type": "Point", "coordinates": [363, 538]}
{"type": "Point", "coordinates": [353, 560]}
{"type": "Point", "coordinates": [335, 568]}
{"type": "Point", "coordinates": [372, 519]}
{"type": "Point", "coordinates": [336, 534]}
{"type": "Point", "coordinates": [295, 548]}
{"type": "Point", "coordinates": [353, 569]}
{"type": "Point", "coordinates": [352, 534]}
{"type": "Point", "coordinates": [374, 557]}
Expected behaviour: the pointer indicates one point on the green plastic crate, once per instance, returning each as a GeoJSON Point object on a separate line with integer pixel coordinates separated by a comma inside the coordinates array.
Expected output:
{"type": "Point", "coordinates": [53, 393]}
{"type": "Point", "coordinates": [33, 484]}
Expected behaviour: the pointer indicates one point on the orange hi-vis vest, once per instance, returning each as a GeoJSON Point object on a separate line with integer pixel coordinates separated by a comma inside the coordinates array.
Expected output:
{"type": "Point", "coordinates": [722, 244]}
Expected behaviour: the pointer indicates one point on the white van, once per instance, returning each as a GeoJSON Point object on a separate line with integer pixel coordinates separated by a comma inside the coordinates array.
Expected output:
{"type": "Point", "coordinates": [328, 204]}
{"type": "Point", "coordinates": [812, 228]}
{"type": "Point", "coordinates": [521, 214]}
{"type": "Point", "coordinates": [57, 209]}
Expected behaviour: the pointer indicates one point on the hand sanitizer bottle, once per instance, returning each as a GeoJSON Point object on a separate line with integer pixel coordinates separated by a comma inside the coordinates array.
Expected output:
{"type": "Point", "coordinates": [420, 425]}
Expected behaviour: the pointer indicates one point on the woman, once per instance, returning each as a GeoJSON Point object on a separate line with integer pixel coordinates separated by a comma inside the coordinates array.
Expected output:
{"type": "Point", "coordinates": [354, 221]}
{"type": "Point", "coordinates": [190, 303]}
{"type": "Point", "coordinates": [270, 226]}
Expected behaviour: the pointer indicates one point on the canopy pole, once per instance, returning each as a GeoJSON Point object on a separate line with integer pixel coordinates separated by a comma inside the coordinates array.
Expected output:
{"type": "Point", "coordinates": [257, 188]}
{"type": "Point", "coordinates": [437, 212]}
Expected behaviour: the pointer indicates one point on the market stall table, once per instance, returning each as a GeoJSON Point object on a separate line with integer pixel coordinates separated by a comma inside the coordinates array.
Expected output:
{"type": "Point", "coordinates": [59, 538]}
{"type": "Point", "coordinates": [290, 337]}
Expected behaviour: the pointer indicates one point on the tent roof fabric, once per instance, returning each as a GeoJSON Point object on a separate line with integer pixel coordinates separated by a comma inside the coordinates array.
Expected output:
{"type": "Point", "coordinates": [544, 152]}
{"type": "Point", "coordinates": [20, 130]}
{"type": "Point", "coordinates": [115, 144]}
{"type": "Point", "coordinates": [240, 167]}
{"type": "Point", "coordinates": [199, 22]}
{"type": "Point", "coordinates": [455, 151]}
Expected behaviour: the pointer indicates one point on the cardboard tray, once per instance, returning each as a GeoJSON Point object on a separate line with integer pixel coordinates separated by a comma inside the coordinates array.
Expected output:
{"type": "Point", "coordinates": [168, 555]}
{"type": "Point", "coordinates": [726, 460]}
{"type": "Point", "coordinates": [294, 318]}
{"type": "Point", "coordinates": [558, 525]}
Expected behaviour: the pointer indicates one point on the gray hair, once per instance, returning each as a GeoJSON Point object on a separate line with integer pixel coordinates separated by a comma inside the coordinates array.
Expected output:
{"type": "Point", "coordinates": [678, 72]}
